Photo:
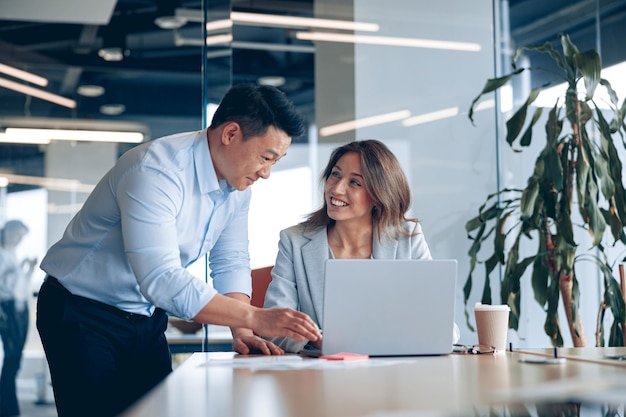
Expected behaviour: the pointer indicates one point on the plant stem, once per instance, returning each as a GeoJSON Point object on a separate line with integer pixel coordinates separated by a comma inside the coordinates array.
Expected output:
{"type": "Point", "coordinates": [622, 286]}
{"type": "Point", "coordinates": [599, 341]}
{"type": "Point", "coordinates": [566, 284]}
{"type": "Point", "coordinates": [566, 279]}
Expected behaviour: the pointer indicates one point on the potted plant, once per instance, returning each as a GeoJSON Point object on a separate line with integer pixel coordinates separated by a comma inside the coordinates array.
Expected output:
{"type": "Point", "coordinates": [573, 171]}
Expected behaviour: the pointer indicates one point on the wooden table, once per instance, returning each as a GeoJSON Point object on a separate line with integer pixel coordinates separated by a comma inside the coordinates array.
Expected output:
{"type": "Point", "coordinates": [215, 384]}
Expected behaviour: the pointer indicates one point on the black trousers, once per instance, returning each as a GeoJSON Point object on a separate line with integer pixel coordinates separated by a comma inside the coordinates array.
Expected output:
{"type": "Point", "coordinates": [13, 330]}
{"type": "Point", "coordinates": [101, 359]}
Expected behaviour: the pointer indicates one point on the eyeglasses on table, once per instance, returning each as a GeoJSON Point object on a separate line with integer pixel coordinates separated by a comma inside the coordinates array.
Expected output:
{"type": "Point", "coordinates": [473, 349]}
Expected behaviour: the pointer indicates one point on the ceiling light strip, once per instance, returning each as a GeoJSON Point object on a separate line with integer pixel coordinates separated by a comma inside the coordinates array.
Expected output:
{"type": "Point", "coordinates": [35, 92]}
{"type": "Point", "coordinates": [4, 138]}
{"type": "Point", "coordinates": [217, 25]}
{"type": "Point", "coordinates": [365, 122]}
{"type": "Point", "coordinates": [226, 39]}
{"type": "Point", "coordinates": [219, 39]}
{"type": "Point", "coordinates": [431, 117]}
{"type": "Point", "coordinates": [27, 135]}
{"type": "Point", "coordinates": [260, 19]}
{"type": "Point", "coordinates": [305, 22]}
{"type": "Point", "coordinates": [265, 46]}
{"type": "Point", "coordinates": [23, 75]}
{"type": "Point", "coordinates": [389, 41]}
{"type": "Point", "coordinates": [59, 184]}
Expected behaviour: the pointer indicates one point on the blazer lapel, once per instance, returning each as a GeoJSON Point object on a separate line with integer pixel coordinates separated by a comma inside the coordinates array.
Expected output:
{"type": "Point", "coordinates": [387, 248]}
{"type": "Point", "coordinates": [314, 256]}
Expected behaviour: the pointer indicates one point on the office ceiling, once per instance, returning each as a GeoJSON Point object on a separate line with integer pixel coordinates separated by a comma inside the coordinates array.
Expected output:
{"type": "Point", "coordinates": [160, 73]}
{"type": "Point", "coordinates": [159, 78]}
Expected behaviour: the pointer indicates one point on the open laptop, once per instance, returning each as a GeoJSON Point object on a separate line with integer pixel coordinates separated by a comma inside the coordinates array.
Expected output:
{"type": "Point", "coordinates": [388, 307]}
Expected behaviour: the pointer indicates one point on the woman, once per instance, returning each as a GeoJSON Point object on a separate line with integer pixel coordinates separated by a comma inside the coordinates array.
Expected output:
{"type": "Point", "coordinates": [366, 197]}
{"type": "Point", "coordinates": [14, 293]}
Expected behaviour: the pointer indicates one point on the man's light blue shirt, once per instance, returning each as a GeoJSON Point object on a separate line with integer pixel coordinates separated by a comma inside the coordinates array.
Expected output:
{"type": "Point", "coordinates": [160, 208]}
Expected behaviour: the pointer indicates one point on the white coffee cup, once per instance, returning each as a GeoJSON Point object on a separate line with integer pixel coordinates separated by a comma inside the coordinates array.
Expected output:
{"type": "Point", "coordinates": [492, 324]}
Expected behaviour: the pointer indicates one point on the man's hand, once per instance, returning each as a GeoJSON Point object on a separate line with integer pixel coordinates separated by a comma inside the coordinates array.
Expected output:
{"type": "Point", "coordinates": [246, 342]}
{"type": "Point", "coordinates": [287, 322]}
{"type": "Point", "coordinates": [234, 310]}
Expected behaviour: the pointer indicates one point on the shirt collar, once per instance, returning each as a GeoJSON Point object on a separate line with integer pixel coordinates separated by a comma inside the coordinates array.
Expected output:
{"type": "Point", "coordinates": [205, 170]}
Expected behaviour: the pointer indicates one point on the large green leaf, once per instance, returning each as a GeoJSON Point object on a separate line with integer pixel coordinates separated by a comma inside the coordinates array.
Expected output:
{"type": "Point", "coordinates": [570, 51]}
{"type": "Point", "coordinates": [602, 169]}
{"type": "Point", "coordinates": [563, 216]}
{"type": "Point", "coordinates": [490, 86]}
{"type": "Point", "coordinates": [510, 290]}
{"type": "Point", "coordinates": [500, 237]}
{"type": "Point", "coordinates": [614, 222]}
{"type": "Point", "coordinates": [551, 325]}
{"type": "Point", "coordinates": [529, 197]}
{"type": "Point", "coordinates": [612, 94]}
{"type": "Point", "coordinates": [515, 124]}
{"type": "Point", "coordinates": [490, 265]}
{"type": "Point", "coordinates": [553, 126]}
{"type": "Point", "coordinates": [583, 175]}
{"type": "Point", "coordinates": [546, 48]}
{"type": "Point", "coordinates": [541, 273]}
{"type": "Point", "coordinates": [614, 300]}
{"type": "Point", "coordinates": [590, 67]}
{"type": "Point", "coordinates": [552, 169]}
{"type": "Point", "coordinates": [614, 163]}
{"type": "Point", "coordinates": [467, 288]}
{"type": "Point", "coordinates": [594, 219]}
{"type": "Point", "coordinates": [617, 124]}
{"type": "Point", "coordinates": [588, 194]}
{"type": "Point", "coordinates": [484, 215]}
{"type": "Point", "coordinates": [526, 138]}
{"type": "Point", "coordinates": [617, 334]}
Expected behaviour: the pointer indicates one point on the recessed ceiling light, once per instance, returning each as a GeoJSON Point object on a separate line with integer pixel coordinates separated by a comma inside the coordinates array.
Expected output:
{"type": "Point", "coordinates": [170, 22]}
{"type": "Point", "coordinates": [112, 109]}
{"type": "Point", "coordinates": [90, 90]}
{"type": "Point", "coordinates": [111, 54]}
{"type": "Point", "coordinates": [273, 80]}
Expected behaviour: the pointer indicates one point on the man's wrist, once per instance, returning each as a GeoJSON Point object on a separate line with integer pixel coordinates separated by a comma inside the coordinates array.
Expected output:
{"type": "Point", "coordinates": [241, 332]}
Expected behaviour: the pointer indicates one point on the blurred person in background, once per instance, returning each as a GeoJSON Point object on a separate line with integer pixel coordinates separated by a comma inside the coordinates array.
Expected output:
{"type": "Point", "coordinates": [14, 293]}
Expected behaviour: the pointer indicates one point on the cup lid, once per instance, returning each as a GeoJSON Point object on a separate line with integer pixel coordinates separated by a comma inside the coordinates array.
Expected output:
{"type": "Point", "coordinates": [492, 307]}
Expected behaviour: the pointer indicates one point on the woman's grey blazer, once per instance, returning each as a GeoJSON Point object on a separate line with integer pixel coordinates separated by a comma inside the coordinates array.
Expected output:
{"type": "Point", "coordinates": [298, 274]}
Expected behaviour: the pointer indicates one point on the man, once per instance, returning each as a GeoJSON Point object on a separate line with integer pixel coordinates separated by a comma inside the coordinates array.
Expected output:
{"type": "Point", "coordinates": [120, 264]}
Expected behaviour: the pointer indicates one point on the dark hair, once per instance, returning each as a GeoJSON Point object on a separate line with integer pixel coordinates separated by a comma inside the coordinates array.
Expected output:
{"type": "Point", "coordinates": [385, 182]}
{"type": "Point", "coordinates": [257, 107]}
